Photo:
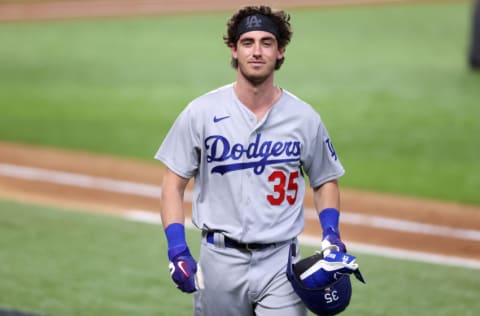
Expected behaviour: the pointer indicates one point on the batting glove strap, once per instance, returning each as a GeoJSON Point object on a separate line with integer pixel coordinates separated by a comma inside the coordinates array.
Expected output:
{"type": "Point", "coordinates": [329, 219]}
{"type": "Point", "coordinates": [183, 269]}
{"type": "Point", "coordinates": [175, 234]}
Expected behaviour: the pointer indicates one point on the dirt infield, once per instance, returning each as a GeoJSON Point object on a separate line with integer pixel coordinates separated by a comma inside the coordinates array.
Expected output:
{"type": "Point", "coordinates": [382, 220]}
{"type": "Point", "coordinates": [369, 218]}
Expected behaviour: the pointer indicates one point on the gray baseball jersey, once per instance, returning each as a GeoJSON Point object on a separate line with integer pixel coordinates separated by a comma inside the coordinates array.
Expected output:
{"type": "Point", "coordinates": [249, 175]}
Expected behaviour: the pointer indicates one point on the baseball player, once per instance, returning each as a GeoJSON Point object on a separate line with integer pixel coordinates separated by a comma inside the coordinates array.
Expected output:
{"type": "Point", "coordinates": [249, 146]}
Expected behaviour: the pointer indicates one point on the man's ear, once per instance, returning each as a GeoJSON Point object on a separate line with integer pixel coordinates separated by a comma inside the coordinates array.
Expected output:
{"type": "Point", "coordinates": [281, 53]}
{"type": "Point", "coordinates": [233, 49]}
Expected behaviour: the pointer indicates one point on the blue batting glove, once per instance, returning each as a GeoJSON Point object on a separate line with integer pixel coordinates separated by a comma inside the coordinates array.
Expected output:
{"type": "Point", "coordinates": [329, 219]}
{"type": "Point", "coordinates": [334, 239]}
{"type": "Point", "coordinates": [183, 268]}
{"type": "Point", "coordinates": [182, 265]}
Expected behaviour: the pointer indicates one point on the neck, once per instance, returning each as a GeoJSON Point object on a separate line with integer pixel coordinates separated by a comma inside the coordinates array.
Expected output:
{"type": "Point", "coordinates": [257, 97]}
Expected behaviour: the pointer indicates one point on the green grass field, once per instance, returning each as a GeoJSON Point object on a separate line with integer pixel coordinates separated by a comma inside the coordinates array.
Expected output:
{"type": "Point", "coordinates": [391, 83]}
{"type": "Point", "coordinates": [64, 262]}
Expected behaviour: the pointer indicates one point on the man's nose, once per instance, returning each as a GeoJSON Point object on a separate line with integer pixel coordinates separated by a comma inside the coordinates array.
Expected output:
{"type": "Point", "coordinates": [257, 49]}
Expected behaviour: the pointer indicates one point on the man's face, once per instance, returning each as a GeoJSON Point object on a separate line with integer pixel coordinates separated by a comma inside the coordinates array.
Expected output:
{"type": "Point", "coordinates": [257, 53]}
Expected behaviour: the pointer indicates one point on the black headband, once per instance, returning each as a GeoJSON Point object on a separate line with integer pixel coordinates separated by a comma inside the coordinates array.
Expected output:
{"type": "Point", "coordinates": [256, 22]}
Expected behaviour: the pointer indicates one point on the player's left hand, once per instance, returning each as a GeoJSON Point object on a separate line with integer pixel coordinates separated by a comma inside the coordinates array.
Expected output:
{"type": "Point", "coordinates": [332, 264]}
{"type": "Point", "coordinates": [184, 271]}
{"type": "Point", "coordinates": [334, 239]}
{"type": "Point", "coordinates": [329, 219]}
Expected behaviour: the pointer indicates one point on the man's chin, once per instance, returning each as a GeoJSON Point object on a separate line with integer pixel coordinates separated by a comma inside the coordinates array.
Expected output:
{"type": "Point", "coordinates": [255, 75]}
{"type": "Point", "coordinates": [256, 78]}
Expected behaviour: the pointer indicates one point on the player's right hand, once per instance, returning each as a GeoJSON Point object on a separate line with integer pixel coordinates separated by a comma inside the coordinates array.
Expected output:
{"type": "Point", "coordinates": [183, 269]}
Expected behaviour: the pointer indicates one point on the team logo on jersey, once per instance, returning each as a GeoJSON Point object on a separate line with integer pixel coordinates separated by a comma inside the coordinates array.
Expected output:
{"type": "Point", "coordinates": [256, 155]}
{"type": "Point", "coordinates": [333, 153]}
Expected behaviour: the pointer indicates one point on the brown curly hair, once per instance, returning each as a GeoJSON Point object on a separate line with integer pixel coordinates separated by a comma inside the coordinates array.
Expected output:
{"type": "Point", "coordinates": [279, 17]}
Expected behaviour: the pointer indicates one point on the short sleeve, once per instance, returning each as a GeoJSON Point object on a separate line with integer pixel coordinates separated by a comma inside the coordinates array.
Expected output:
{"type": "Point", "coordinates": [323, 163]}
{"type": "Point", "coordinates": [180, 150]}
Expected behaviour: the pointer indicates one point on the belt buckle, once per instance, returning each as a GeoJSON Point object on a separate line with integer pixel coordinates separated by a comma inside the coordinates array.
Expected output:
{"type": "Point", "coordinates": [247, 247]}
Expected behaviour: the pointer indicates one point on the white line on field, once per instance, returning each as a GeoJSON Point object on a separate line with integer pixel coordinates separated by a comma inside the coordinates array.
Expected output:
{"type": "Point", "coordinates": [148, 190]}
{"type": "Point", "coordinates": [404, 226]}
{"type": "Point", "coordinates": [82, 181]}
{"type": "Point", "coordinates": [388, 252]}
{"type": "Point", "coordinates": [402, 254]}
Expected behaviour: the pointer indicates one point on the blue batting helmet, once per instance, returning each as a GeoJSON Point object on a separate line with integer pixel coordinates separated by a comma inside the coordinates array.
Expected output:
{"type": "Point", "coordinates": [329, 297]}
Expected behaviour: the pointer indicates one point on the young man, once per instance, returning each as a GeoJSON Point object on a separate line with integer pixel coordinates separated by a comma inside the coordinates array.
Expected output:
{"type": "Point", "coordinates": [248, 146]}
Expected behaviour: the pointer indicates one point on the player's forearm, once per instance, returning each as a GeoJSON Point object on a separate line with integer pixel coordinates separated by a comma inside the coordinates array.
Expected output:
{"type": "Point", "coordinates": [171, 202]}
{"type": "Point", "coordinates": [327, 196]}
{"type": "Point", "coordinates": [327, 203]}
{"type": "Point", "coordinates": [171, 212]}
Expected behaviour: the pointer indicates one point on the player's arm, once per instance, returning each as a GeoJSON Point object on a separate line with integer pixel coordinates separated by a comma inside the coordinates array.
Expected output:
{"type": "Point", "coordinates": [183, 267]}
{"type": "Point", "coordinates": [171, 204]}
{"type": "Point", "coordinates": [327, 196]}
{"type": "Point", "coordinates": [327, 204]}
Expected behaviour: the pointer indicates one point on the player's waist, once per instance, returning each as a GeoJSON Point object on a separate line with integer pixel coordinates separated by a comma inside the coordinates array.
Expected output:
{"type": "Point", "coordinates": [220, 240]}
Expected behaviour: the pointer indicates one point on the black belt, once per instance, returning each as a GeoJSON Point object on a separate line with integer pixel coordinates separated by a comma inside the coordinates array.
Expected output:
{"type": "Point", "coordinates": [230, 243]}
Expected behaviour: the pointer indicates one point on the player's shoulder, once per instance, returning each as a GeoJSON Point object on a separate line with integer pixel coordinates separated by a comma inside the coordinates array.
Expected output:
{"type": "Point", "coordinates": [208, 102]}
{"type": "Point", "coordinates": [216, 95]}
{"type": "Point", "coordinates": [226, 89]}
{"type": "Point", "coordinates": [301, 107]}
